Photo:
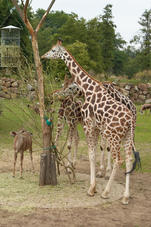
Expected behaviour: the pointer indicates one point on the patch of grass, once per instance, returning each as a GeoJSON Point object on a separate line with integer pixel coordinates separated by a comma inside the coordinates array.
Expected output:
{"type": "Point", "coordinates": [23, 195]}
{"type": "Point", "coordinates": [16, 115]}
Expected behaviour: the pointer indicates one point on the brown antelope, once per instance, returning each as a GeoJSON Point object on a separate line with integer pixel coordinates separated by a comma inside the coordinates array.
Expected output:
{"type": "Point", "coordinates": [22, 142]}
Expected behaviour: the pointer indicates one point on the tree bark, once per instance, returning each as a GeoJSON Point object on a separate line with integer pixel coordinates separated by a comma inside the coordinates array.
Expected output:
{"type": "Point", "coordinates": [50, 173]}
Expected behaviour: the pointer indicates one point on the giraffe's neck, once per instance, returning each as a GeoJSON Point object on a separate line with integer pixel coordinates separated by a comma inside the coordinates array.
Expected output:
{"type": "Point", "coordinates": [80, 76]}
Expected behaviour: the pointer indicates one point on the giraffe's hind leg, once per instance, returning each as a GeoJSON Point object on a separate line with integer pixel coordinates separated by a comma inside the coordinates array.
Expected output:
{"type": "Point", "coordinates": [105, 168]}
{"type": "Point", "coordinates": [101, 172]}
{"type": "Point", "coordinates": [128, 160]}
{"type": "Point", "coordinates": [109, 166]}
{"type": "Point", "coordinates": [115, 154]}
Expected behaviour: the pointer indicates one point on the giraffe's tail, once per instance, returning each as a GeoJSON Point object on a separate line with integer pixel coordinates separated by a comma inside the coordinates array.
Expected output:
{"type": "Point", "coordinates": [137, 161]}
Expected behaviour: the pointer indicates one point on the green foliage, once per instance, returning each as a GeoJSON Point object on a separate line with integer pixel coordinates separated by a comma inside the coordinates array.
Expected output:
{"type": "Point", "coordinates": [80, 52]}
{"type": "Point", "coordinates": [107, 39]}
{"type": "Point", "coordinates": [104, 48]}
{"type": "Point", "coordinates": [144, 76]}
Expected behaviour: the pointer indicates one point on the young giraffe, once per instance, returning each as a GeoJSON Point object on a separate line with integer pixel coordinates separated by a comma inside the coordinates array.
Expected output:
{"type": "Point", "coordinates": [101, 114]}
{"type": "Point", "coordinates": [70, 111]}
{"type": "Point", "coordinates": [73, 90]}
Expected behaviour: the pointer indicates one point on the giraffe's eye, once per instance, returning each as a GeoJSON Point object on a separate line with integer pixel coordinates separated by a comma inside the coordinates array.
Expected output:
{"type": "Point", "coordinates": [53, 50]}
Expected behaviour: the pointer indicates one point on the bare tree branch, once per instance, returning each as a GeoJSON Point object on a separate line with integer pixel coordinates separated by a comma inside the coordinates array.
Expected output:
{"type": "Point", "coordinates": [44, 16]}
{"type": "Point", "coordinates": [25, 10]}
{"type": "Point", "coordinates": [23, 15]}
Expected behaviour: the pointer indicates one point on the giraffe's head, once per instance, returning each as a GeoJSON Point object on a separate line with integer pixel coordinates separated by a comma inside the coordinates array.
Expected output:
{"type": "Point", "coordinates": [73, 90]}
{"type": "Point", "coordinates": [55, 52]}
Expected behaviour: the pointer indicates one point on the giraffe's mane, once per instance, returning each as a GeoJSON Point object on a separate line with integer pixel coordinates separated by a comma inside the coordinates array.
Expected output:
{"type": "Point", "coordinates": [82, 68]}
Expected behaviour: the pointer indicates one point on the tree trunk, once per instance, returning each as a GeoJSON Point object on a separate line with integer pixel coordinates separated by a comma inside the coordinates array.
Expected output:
{"type": "Point", "coordinates": [47, 163]}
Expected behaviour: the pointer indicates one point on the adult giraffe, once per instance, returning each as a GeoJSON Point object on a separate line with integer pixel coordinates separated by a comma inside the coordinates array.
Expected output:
{"type": "Point", "coordinates": [101, 114]}
{"type": "Point", "coordinates": [73, 90]}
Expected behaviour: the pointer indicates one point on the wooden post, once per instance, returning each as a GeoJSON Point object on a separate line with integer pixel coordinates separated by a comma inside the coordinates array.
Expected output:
{"type": "Point", "coordinates": [48, 164]}
{"type": "Point", "coordinates": [43, 159]}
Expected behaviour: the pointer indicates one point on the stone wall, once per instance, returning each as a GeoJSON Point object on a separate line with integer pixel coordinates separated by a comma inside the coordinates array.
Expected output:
{"type": "Point", "coordinates": [11, 88]}
{"type": "Point", "coordinates": [140, 93]}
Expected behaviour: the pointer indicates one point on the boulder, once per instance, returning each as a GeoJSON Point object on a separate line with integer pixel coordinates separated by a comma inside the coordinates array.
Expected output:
{"type": "Point", "coordinates": [147, 101]}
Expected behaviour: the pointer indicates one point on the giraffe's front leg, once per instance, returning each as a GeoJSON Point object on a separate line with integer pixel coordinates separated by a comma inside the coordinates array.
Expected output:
{"type": "Point", "coordinates": [92, 188]}
{"type": "Point", "coordinates": [92, 138]}
{"type": "Point", "coordinates": [76, 142]}
{"type": "Point", "coordinates": [69, 144]}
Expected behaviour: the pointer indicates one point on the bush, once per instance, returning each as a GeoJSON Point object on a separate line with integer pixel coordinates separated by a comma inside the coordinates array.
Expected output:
{"type": "Point", "coordinates": [144, 76]}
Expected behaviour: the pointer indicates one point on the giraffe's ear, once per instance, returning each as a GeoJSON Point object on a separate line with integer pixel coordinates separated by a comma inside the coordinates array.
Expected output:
{"type": "Point", "coordinates": [60, 41]}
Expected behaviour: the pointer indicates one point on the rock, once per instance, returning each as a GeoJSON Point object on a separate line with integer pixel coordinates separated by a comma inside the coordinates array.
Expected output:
{"type": "Point", "coordinates": [127, 87]}
{"type": "Point", "coordinates": [7, 84]}
{"type": "Point", "coordinates": [32, 95]}
{"type": "Point", "coordinates": [141, 97]}
{"type": "Point", "coordinates": [143, 87]}
{"type": "Point", "coordinates": [136, 88]}
{"type": "Point", "coordinates": [30, 88]}
{"type": "Point", "coordinates": [4, 95]}
{"type": "Point", "coordinates": [147, 101]}
{"type": "Point", "coordinates": [15, 84]}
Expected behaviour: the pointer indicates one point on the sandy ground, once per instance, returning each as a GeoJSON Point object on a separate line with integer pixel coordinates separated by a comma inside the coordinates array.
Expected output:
{"type": "Point", "coordinates": [109, 214]}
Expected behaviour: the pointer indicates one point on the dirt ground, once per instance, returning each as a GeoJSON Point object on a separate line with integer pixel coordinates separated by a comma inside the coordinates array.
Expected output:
{"type": "Point", "coordinates": [136, 214]}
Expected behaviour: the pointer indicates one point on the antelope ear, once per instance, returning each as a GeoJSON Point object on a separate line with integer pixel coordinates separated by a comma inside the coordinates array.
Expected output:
{"type": "Point", "coordinates": [13, 133]}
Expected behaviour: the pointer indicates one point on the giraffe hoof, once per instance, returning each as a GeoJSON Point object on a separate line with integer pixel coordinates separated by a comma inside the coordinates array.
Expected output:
{"type": "Point", "coordinates": [90, 194]}
{"type": "Point", "coordinates": [13, 176]}
{"type": "Point", "coordinates": [105, 195]}
{"type": "Point", "coordinates": [91, 191]}
{"type": "Point", "coordinates": [125, 200]}
{"type": "Point", "coordinates": [21, 178]}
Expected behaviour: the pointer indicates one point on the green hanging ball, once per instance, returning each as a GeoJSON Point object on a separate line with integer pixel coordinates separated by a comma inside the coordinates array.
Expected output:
{"type": "Point", "coordinates": [48, 122]}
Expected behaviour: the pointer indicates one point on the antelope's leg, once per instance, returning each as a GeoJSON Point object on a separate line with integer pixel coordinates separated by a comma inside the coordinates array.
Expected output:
{"type": "Point", "coordinates": [15, 160]}
{"type": "Point", "coordinates": [31, 158]}
{"type": "Point", "coordinates": [21, 164]}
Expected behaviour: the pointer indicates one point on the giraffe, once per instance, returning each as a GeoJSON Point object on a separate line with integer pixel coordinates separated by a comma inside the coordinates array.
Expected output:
{"type": "Point", "coordinates": [74, 90]}
{"type": "Point", "coordinates": [120, 97]}
{"type": "Point", "coordinates": [70, 111]}
{"type": "Point", "coordinates": [101, 114]}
